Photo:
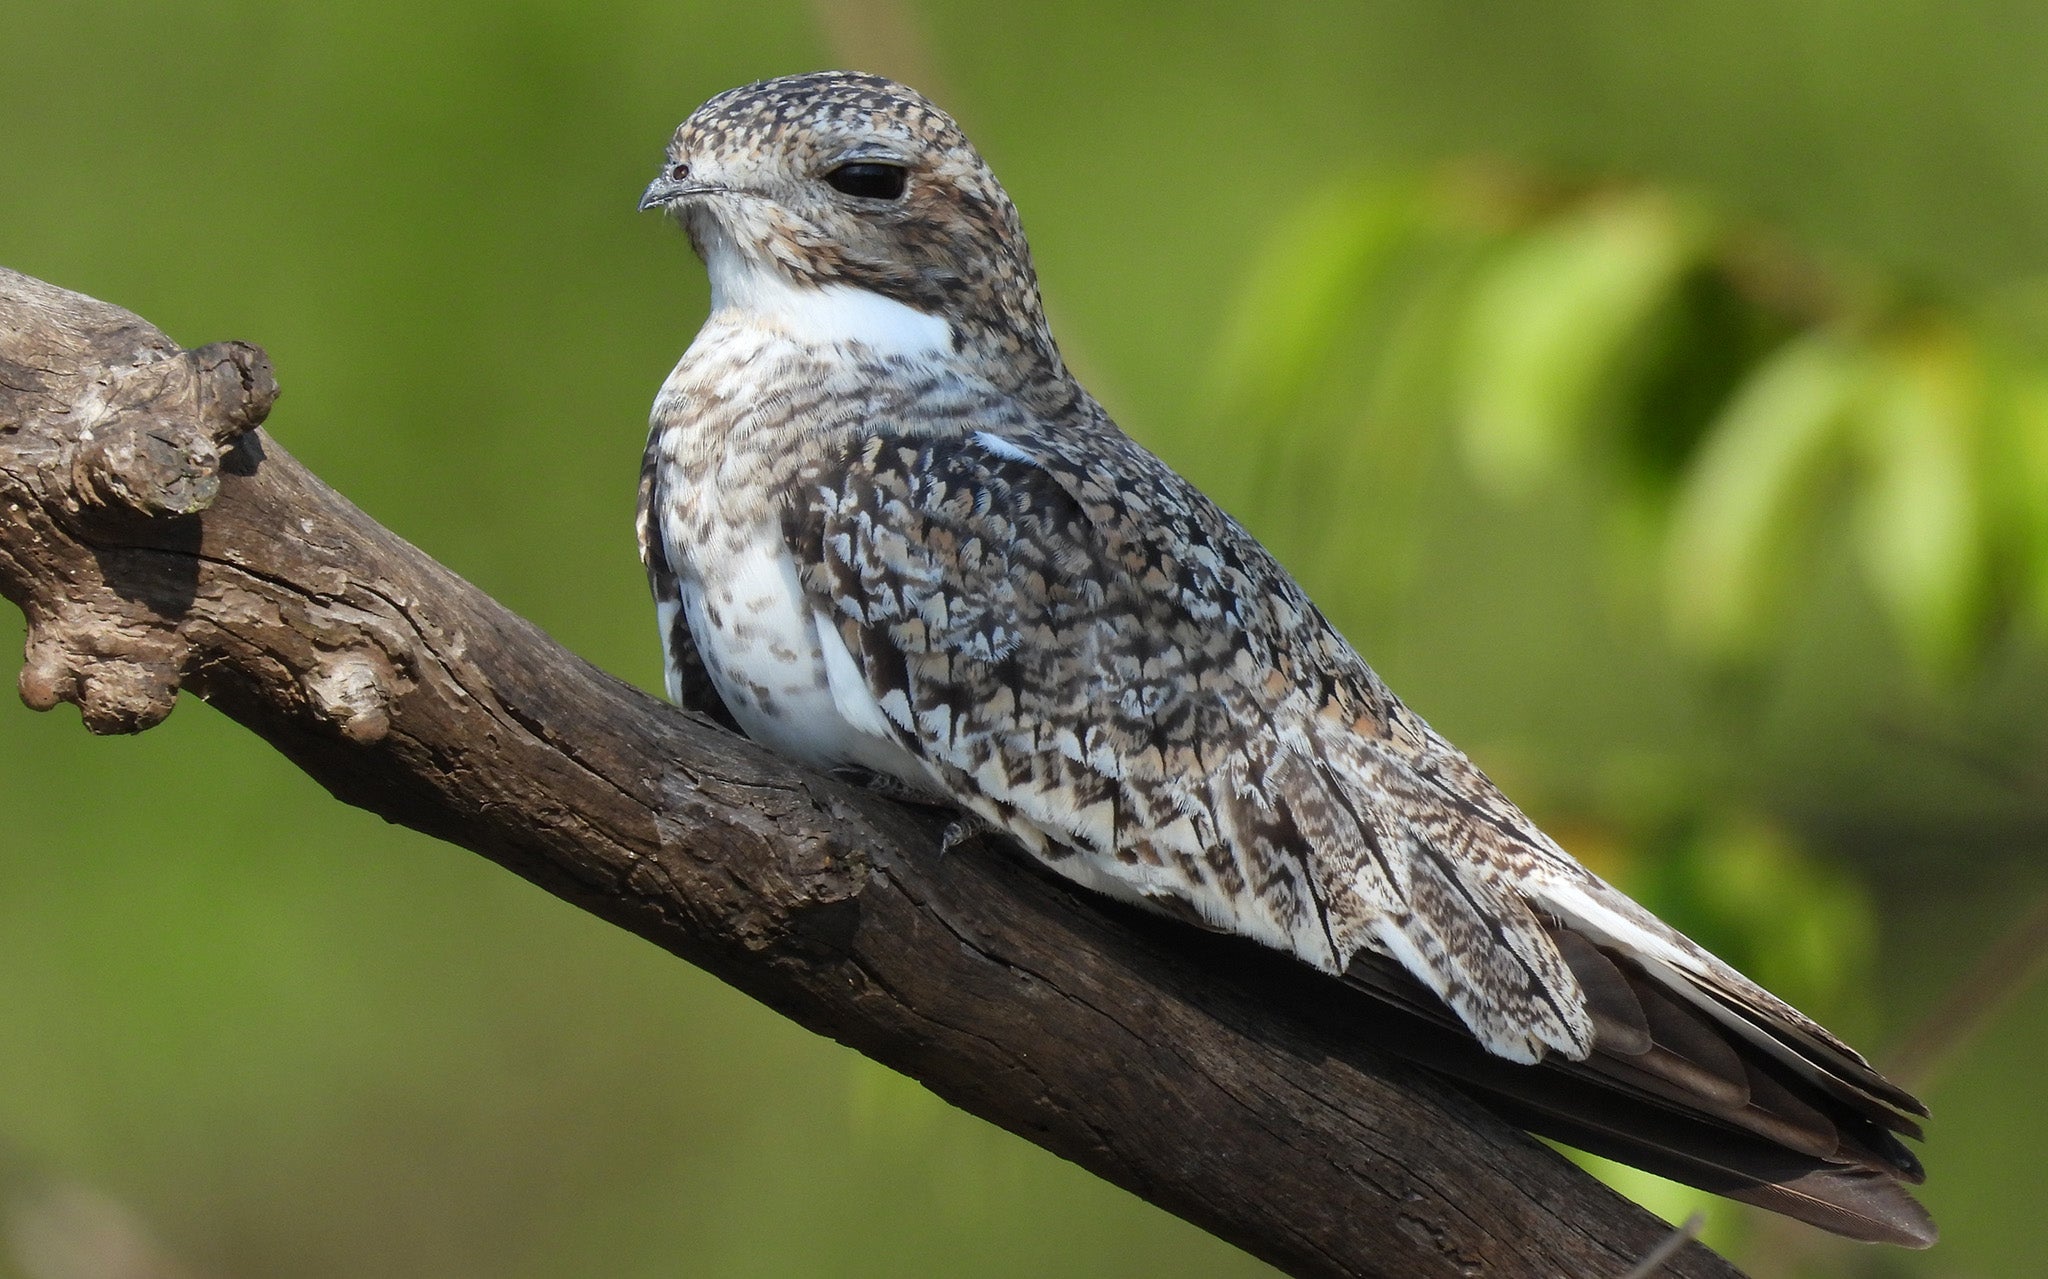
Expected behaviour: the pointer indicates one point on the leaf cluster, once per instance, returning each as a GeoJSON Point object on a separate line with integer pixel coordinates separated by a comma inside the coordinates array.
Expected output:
{"type": "Point", "coordinates": [1742, 391]}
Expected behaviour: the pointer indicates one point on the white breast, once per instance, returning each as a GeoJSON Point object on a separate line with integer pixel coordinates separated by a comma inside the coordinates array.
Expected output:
{"type": "Point", "coordinates": [779, 666]}
{"type": "Point", "coordinates": [782, 669]}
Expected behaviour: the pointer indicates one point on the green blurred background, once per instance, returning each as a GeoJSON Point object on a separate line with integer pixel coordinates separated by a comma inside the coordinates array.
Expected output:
{"type": "Point", "coordinates": [1474, 311]}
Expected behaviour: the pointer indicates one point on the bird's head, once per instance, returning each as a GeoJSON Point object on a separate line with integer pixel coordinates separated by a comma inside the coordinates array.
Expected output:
{"type": "Point", "coordinates": [836, 179]}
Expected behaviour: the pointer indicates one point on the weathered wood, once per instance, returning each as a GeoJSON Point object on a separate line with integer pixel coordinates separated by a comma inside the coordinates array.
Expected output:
{"type": "Point", "coordinates": [156, 540]}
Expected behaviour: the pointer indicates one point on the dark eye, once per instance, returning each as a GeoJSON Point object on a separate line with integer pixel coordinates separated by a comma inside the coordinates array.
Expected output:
{"type": "Point", "coordinates": [868, 179]}
{"type": "Point", "coordinates": [678, 171]}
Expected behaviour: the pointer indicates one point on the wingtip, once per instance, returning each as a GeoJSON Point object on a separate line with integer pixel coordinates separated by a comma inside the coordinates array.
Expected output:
{"type": "Point", "coordinates": [1864, 1206]}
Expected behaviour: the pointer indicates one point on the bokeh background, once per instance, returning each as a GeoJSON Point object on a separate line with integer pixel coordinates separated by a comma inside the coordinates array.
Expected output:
{"type": "Point", "coordinates": [1653, 392]}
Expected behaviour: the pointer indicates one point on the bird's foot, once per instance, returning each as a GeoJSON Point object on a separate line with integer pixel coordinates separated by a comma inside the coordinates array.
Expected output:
{"type": "Point", "coordinates": [889, 787]}
{"type": "Point", "coordinates": [959, 831]}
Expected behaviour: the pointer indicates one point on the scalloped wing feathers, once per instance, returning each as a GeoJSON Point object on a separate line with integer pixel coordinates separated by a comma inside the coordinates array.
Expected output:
{"type": "Point", "coordinates": [1090, 654]}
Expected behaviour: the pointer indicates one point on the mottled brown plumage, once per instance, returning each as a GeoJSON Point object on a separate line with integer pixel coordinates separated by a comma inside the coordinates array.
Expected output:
{"type": "Point", "coordinates": [901, 537]}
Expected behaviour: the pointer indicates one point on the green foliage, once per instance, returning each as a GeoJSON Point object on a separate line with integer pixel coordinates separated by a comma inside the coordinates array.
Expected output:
{"type": "Point", "coordinates": [1754, 480]}
{"type": "Point", "coordinates": [1746, 889]}
{"type": "Point", "coordinates": [1731, 380]}
{"type": "Point", "coordinates": [1549, 322]}
{"type": "Point", "coordinates": [1920, 516]}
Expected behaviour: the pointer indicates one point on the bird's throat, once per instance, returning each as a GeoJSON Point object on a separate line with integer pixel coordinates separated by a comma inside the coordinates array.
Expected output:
{"type": "Point", "coordinates": [749, 292]}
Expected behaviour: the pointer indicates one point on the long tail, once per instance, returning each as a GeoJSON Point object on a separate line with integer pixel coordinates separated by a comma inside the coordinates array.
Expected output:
{"type": "Point", "coordinates": [1673, 1088]}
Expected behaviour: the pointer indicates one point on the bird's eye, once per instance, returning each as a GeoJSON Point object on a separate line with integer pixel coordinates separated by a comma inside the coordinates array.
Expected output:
{"type": "Point", "coordinates": [868, 179]}
{"type": "Point", "coordinates": [678, 171]}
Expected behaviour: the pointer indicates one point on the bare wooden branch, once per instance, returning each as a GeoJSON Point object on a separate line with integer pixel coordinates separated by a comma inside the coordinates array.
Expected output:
{"type": "Point", "coordinates": [157, 540]}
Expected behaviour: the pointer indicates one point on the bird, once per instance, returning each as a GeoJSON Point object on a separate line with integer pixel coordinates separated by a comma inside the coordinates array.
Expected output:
{"type": "Point", "coordinates": [889, 531]}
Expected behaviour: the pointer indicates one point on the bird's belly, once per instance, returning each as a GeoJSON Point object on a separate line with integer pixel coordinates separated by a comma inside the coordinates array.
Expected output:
{"type": "Point", "coordinates": [764, 646]}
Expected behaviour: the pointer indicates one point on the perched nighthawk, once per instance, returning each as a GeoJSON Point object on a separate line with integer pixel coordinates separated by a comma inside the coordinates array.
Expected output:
{"type": "Point", "coordinates": [900, 537]}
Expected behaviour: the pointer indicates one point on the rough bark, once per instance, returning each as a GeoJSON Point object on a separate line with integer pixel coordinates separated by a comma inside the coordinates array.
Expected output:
{"type": "Point", "coordinates": [157, 540]}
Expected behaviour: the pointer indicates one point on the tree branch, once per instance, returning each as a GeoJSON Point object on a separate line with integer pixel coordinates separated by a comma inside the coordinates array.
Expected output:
{"type": "Point", "coordinates": [156, 540]}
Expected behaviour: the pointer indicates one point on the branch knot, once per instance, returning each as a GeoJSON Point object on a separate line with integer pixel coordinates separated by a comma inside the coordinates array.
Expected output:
{"type": "Point", "coordinates": [155, 431]}
{"type": "Point", "coordinates": [121, 682]}
{"type": "Point", "coordinates": [352, 690]}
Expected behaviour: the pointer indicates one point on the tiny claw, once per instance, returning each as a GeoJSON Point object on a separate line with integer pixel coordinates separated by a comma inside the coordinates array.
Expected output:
{"type": "Point", "coordinates": [957, 832]}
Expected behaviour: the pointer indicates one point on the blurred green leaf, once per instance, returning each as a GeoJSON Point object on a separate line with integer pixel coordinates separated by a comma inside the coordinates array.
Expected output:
{"type": "Point", "coordinates": [1550, 325]}
{"type": "Point", "coordinates": [1331, 375]}
{"type": "Point", "coordinates": [1741, 501]}
{"type": "Point", "coordinates": [1919, 518]}
{"type": "Point", "coordinates": [1321, 261]}
{"type": "Point", "coordinates": [1727, 373]}
{"type": "Point", "coordinates": [2017, 480]}
{"type": "Point", "coordinates": [1743, 887]}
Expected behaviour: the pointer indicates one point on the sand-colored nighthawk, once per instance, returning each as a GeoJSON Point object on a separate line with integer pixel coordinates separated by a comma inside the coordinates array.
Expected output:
{"type": "Point", "coordinates": [900, 537]}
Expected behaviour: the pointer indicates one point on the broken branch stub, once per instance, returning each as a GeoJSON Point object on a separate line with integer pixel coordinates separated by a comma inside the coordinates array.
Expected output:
{"type": "Point", "coordinates": [117, 435]}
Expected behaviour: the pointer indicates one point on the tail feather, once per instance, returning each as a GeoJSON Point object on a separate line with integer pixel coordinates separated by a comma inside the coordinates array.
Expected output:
{"type": "Point", "coordinates": [1680, 968]}
{"type": "Point", "coordinates": [1686, 1090]}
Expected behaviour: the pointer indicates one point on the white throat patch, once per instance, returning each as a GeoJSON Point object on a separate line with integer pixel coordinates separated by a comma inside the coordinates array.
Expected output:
{"type": "Point", "coordinates": [748, 292]}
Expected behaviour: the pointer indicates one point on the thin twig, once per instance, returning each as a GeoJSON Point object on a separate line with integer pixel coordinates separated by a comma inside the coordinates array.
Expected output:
{"type": "Point", "coordinates": [1660, 1256]}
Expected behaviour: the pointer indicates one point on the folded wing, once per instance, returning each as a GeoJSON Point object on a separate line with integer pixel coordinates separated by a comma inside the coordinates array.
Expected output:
{"type": "Point", "coordinates": [1080, 648]}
